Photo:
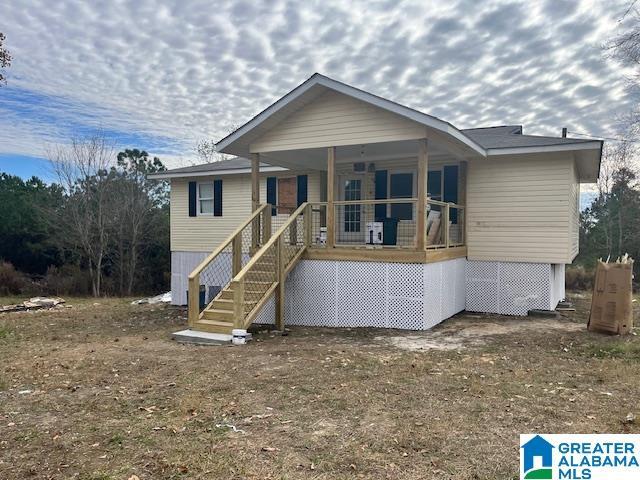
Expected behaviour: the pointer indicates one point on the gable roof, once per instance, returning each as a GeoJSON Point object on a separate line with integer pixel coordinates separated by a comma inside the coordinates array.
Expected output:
{"type": "Point", "coordinates": [231, 166]}
{"type": "Point", "coordinates": [237, 142]}
{"type": "Point", "coordinates": [511, 136]}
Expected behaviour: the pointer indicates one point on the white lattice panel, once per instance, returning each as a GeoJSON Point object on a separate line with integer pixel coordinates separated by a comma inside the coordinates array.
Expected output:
{"type": "Point", "coordinates": [558, 293]}
{"type": "Point", "coordinates": [311, 294]}
{"type": "Point", "coordinates": [509, 288]}
{"type": "Point", "coordinates": [267, 315]}
{"type": "Point", "coordinates": [361, 290]}
{"type": "Point", "coordinates": [433, 291]}
{"type": "Point", "coordinates": [482, 287]}
{"type": "Point", "coordinates": [523, 287]}
{"type": "Point", "coordinates": [371, 294]}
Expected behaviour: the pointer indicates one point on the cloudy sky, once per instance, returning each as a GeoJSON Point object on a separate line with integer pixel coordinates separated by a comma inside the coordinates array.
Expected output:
{"type": "Point", "coordinates": [162, 75]}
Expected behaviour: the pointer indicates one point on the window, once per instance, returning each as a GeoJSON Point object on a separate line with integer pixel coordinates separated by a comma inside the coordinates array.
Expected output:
{"type": "Point", "coordinates": [352, 191]}
{"type": "Point", "coordinates": [205, 199]}
{"type": "Point", "coordinates": [434, 184]}
{"type": "Point", "coordinates": [401, 186]}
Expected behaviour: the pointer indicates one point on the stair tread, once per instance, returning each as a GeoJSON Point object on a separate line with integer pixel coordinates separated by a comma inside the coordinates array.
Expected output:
{"type": "Point", "coordinates": [215, 310]}
{"type": "Point", "coordinates": [219, 323]}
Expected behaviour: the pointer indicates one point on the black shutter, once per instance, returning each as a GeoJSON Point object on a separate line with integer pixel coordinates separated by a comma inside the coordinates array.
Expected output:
{"type": "Point", "coordinates": [272, 183]}
{"type": "Point", "coordinates": [381, 193]}
{"type": "Point", "coordinates": [450, 193]}
{"type": "Point", "coordinates": [217, 198]}
{"type": "Point", "coordinates": [302, 189]}
{"type": "Point", "coordinates": [192, 199]}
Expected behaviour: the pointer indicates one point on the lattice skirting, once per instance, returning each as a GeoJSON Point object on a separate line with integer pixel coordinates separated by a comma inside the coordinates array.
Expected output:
{"type": "Point", "coordinates": [217, 275]}
{"type": "Point", "coordinates": [371, 294]}
{"type": "Point", "coordinates": [511, 288]}
{"type": "Point", "coordinates": [393, 295]}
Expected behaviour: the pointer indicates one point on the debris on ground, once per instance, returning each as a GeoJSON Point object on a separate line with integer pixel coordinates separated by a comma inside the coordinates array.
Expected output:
{"type": "Point", "coordinates": [229, 426]}
{"type": "Point", "coordinates": [162, 298]}
{"type": "Point", "coordinates": [35, 303]}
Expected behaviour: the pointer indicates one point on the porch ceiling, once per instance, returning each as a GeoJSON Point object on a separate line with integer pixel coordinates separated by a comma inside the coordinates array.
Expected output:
{"type": "Point", "coordinates": [316, 158]}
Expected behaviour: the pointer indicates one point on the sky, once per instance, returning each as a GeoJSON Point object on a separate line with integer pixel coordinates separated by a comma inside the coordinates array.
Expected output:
{"type": "Point", "coordinates": [163, 75]}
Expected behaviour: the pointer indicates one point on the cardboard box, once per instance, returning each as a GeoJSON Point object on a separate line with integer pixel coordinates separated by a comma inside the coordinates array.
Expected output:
{"type": "Point", "coordinates": [611, 304]}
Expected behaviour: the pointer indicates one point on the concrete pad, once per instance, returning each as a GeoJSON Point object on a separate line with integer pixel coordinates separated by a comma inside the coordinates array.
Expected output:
{"type": "Point", "coordinates": [201, 338]}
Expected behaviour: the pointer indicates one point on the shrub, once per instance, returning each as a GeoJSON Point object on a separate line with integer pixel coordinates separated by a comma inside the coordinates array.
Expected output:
{"type": "Point", "coordinates": [66, 280]}
{"type": "Point", "coordinates": [578, 278]}
{"type": "Point", "coordinates": [12, 282]}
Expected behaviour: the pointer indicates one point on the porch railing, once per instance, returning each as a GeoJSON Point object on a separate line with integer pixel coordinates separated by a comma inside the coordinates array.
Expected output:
{"type": "Point", "coordinates": [445, 223]}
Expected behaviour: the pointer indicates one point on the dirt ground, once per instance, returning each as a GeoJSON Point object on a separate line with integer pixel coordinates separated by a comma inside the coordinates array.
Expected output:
{"type": "Point", "coordinates": [99, 391]}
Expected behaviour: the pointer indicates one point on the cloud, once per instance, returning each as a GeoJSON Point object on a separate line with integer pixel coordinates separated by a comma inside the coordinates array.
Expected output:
{"type": "Point", "coordinates": [162, 76]}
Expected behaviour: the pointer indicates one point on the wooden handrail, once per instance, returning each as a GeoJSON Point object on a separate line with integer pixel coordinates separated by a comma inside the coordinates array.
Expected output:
{"type": "Point", "coordinates": [196, 271]}
{"type": "Point", "coordinates": [240, 276]}
{"type": "Point", "coordinates": [444, 204]}
{"type": "Point", "coordinates": [375, 202]}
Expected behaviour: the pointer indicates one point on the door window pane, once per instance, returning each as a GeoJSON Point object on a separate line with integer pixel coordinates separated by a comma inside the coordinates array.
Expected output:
{"type": "Point", "coordinates": [352, 191]}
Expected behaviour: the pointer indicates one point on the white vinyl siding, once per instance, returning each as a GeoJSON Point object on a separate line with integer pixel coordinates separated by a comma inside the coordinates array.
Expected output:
{"type": "Point", "coordinates": [519, 209]}
{"type": "Point", "coordinates": [204, 232]}
{"type": "Point", "coordinates": [574, 217]}
{"type": "Point", "coordinates": [336, 119]}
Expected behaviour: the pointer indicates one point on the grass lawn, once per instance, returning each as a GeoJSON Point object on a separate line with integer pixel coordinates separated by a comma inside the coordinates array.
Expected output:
{"type": "Point", "coordinates": [99, 391]}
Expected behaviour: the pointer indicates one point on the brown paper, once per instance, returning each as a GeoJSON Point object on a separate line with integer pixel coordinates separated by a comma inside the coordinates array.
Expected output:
{"type": "Point", "coordinates": [611, 307]}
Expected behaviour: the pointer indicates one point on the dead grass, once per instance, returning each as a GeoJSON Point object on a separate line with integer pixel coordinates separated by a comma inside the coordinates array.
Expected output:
{"type": "Point", "coordinates": [100, 392]}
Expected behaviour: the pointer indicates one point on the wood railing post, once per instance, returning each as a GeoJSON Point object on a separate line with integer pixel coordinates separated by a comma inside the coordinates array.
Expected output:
{"type": "Point", "coordinates": [238, 303]}
{"type": "Point", "coordinates": [445, 224]}
{"type": "Point", "coordinates": [279, 293]}
{"type": "Point", "coordinates": [308, 225]}
{"type": "Point", "coordinates": [331, 171]}
{"type": "Point", "coordinates": [421, 220]}
{"type": "Point", "coordinates": [193, 312]}
{"type": "Point", "coordinates": [293, 232]}
{"type": "Point", "coordinates": [236, 246]}
{"type": "Point", "coordinates": [266, 225]}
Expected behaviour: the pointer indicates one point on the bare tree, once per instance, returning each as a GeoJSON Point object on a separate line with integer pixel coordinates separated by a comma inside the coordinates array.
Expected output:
{"type": "Point", "coordinates": [207, 153]}
{"type": "Point", "coordinates": [83, 169]}
{"type": "Point", "coordinates": [5, 59]}
{"type": "Point", "coordinates": [206, 149]}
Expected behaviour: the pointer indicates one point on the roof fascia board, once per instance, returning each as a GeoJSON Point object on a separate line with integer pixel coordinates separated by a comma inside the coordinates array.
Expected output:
{"type": "Point", "coordinates": [596, 145]}
{"type": "Point", "coordinates": [209, 173]}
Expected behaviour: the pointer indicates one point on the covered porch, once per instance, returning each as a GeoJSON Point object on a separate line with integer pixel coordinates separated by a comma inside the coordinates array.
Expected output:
{"type": "Point", "coordinates": [388, 201]}
{"type": "Point", "coordinates": [392, 179]}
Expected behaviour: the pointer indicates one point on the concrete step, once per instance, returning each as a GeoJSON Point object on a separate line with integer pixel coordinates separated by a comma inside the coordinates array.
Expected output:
{"type": "Point", "coordinates": [200, 337]}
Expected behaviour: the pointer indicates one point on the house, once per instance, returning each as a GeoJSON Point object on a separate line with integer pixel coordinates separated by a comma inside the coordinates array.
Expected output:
{"type": "Point", "coordinates": [537, 448]}
{"type": "Point", "coordinates": [342, 208]}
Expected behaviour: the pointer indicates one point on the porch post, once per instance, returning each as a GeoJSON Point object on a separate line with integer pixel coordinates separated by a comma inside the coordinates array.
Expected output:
{"type": "Point", "coordinates": [255, 181]}
{"type": "Point", "coordinates": [421, 220]}
{"type": "Point", "coordinates": [255, 200]}
{"type": "Point", "coordinates": [331, 164]}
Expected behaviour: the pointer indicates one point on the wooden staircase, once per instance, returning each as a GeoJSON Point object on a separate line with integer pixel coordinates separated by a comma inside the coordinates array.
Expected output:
{"type": "Point", "coordinates": [218, 316]}
{"type": "Point", "coordinates": [238, 303]}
